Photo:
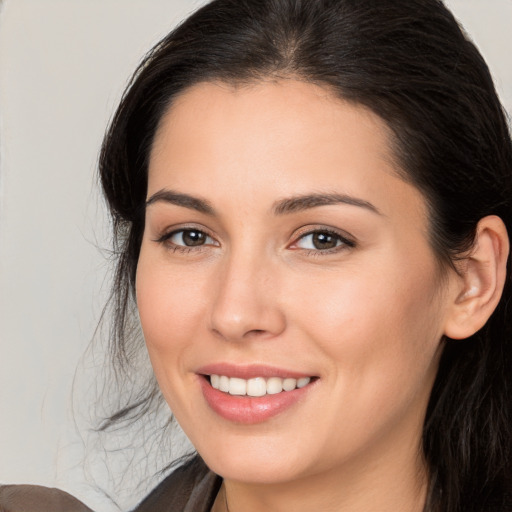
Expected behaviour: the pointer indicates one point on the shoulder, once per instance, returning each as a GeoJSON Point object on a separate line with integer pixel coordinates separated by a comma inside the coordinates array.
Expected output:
{"type": "Point", "coordinates": [36, 498]}
{"type": "Point", "coordinates": [191, 487]}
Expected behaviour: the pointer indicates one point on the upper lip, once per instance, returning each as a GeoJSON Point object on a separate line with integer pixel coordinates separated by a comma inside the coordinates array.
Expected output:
{"type": "Point", "coordinates": [250, 371]}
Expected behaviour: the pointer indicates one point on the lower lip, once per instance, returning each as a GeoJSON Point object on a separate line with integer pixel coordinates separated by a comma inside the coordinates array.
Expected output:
{"type": "Point", "coordinates": [249, 410]}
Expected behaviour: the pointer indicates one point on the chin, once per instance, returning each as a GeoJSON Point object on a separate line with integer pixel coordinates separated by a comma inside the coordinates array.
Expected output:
{"type": "Point", "coordinates": [248, 470]}
{"type": "Point", "coordinates": [268, 461]}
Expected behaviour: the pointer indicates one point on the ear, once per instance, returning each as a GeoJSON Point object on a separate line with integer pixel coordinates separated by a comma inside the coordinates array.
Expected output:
{"type": "Point", "coordinates": [480, 281]}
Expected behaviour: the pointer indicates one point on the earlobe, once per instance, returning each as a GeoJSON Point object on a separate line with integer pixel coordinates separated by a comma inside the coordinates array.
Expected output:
{"type": "Point", "coordinates": [481, 280]}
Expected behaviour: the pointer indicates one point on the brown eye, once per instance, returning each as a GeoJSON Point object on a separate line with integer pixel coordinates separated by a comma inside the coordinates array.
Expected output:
{"type": "Point", "coordinates": [190, 238]}
{"type": "Point", "coordinates": [322, 241]}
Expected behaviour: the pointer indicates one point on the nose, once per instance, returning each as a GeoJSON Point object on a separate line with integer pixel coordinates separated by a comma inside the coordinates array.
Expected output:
{"type": "Point", "coordinates": [246, 304]}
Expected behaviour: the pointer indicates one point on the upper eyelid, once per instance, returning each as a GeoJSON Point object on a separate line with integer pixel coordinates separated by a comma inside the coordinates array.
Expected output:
{"type": "Point", "coordinates": [295, 236]}
{"type": "Point", "coordinates": [165, 240]}
{"type": "Point", "coordinates": [308, 230]}
{"type": "Point", "coordinates": [170, 231]}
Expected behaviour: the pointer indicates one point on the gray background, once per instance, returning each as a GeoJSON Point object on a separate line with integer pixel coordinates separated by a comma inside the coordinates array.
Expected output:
{"type": "Point", "coordinates": [63, 66]}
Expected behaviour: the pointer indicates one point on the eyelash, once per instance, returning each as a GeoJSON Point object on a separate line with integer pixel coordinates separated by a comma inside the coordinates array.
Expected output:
{"type": "Point", "coordinates": [165, 239]}
{"type": "Point", "coordinates": [344, 242]}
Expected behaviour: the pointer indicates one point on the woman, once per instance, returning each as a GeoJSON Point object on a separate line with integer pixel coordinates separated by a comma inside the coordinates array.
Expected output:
{"type": "Point", "coordinates": [311, 202]}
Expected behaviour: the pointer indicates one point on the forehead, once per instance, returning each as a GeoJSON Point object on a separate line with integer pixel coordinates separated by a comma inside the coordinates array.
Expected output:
{"type": "Point", "coordinates": [280, 107]}
{"type": "Point", "coordinates": [282, 137]}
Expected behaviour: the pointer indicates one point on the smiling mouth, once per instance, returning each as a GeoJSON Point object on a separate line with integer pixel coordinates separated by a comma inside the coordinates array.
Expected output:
{"type": "Point", "coordinates": [265, 392]}
{"type": "Point", "coordinates": [257, 386]}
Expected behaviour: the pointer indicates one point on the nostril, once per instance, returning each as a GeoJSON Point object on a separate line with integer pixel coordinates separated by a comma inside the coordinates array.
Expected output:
{"type": "Point", "coordinates": [236, 319]}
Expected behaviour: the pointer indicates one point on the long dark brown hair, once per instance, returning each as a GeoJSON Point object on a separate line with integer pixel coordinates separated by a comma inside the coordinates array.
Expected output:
{"type": "Point", "coordinates": [410, 63]}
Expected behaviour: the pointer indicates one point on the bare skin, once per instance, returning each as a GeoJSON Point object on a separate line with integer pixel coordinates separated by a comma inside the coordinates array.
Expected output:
{"type": "Point", "coordinates": [343, 287]}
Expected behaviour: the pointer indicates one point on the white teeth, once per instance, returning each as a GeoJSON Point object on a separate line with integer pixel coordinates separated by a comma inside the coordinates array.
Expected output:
{"type": "Point", "coordinates": [274, 385]}
{"type": "Point", "coordinates": [303, 382]}
{"type": "Point", "coordinates": [214, 381]}
{"type": "Point", "coordinates": [289, 384]}
{"type": "Point", "coordinates": [237, 386]}
{"type": "Point", "coordinates": [257, 386]}
{"type": "Point", "coordinates": [224, 383]}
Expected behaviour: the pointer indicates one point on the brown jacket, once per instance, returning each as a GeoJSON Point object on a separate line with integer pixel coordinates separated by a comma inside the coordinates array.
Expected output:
{"type": "Point", "coordinates": [190, 488]}
{"type": "Point", "coordinates": [36, 498]}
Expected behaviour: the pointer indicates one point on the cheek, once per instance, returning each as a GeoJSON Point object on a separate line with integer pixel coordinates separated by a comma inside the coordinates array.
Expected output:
{"type": "Point", "coordinates": [378, 321]}
{"type": "Point", "coordinates": [380, 341]}
{"type": "Point", "coordinates": [170, 304]}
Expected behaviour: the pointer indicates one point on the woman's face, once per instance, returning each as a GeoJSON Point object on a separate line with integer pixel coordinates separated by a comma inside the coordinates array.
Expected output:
{"type": "Point", "coordinates": [280, 245]}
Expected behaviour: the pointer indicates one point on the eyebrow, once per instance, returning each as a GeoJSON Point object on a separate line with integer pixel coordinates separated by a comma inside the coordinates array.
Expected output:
{"type": "Point", "coordinates": [280, 207]}
{"type": "Point", "coordinates": [184, 200]}
{"type": "Point", "coordinates": [305, 202]}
